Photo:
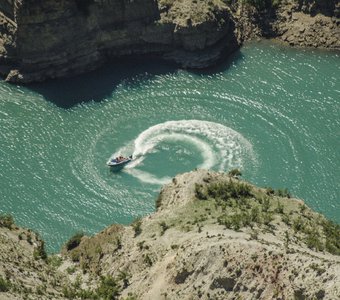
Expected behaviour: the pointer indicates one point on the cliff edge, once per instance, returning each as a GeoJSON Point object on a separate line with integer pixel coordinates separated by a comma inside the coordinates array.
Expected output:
{"type": "Point", "coordinates": [49, 39]}
{"type": "Point", "coordinates": [213, 236]}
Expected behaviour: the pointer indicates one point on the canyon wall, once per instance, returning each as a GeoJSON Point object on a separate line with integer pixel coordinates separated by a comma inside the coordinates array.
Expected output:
{"type": "Point", "coordinates": [51, 38]}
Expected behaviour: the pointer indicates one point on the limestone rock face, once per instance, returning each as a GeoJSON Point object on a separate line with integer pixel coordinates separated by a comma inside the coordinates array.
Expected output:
{"type": "Point", "coordinates": [48, 39]}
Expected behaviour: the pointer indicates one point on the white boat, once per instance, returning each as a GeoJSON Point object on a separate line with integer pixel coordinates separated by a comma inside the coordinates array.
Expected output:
{"type": "Point", "coordinates": [119, 163]}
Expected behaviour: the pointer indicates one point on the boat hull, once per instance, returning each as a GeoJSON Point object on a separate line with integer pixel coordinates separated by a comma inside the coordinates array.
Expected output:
{"type": "Point", "coordinates": [118, 166]}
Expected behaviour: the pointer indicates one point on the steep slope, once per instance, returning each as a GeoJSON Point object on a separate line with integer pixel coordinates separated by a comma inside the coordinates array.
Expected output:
{"type": "Point", "coordinates": [211, 241]}
{"type": "Point", "coordinates": [212, 237]}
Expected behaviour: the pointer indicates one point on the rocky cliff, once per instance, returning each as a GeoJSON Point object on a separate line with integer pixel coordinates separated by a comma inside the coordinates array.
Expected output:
{"type": "Point", "coordinates": [213, 236]}
{"type": "Point", "coordinates": [48, 39]}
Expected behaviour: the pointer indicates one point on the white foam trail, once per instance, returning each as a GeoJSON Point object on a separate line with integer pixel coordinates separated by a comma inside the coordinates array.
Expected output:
{"type": "Point", "coordinates": [220, 146]}
{"type": "Point", "coordinates": [147, 177]}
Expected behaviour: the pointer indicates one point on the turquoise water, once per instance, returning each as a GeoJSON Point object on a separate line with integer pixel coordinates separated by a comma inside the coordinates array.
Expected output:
{"type": "Point", "coordinates": [272, 111]}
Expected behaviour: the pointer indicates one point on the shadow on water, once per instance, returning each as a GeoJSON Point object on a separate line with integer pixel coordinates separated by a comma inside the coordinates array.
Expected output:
{"type": "Point", "coordinates": [100, 84]}
{"type": "Point", "coordinates": [223, 65]}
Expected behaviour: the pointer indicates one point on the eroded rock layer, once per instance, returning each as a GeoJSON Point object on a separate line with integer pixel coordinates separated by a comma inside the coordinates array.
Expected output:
{"type": "Point", "coordinates": [47, 39]}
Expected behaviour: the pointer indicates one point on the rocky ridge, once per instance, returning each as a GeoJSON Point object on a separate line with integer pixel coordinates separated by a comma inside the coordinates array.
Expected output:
{"type": "Point", "coordinates": [213, 236]}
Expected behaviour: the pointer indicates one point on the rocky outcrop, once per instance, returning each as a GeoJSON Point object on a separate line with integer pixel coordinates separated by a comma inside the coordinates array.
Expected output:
{"type": "Point", "coordinates": [48, 39]}
{"type": "Point", "coordinates": [310, 24]}
{"type": "Point", "coordinates": [303, 23]}
{"type": "Point", "coordinates": [25, 271]}
{"type": "Point", "coordinates": [213, 236]}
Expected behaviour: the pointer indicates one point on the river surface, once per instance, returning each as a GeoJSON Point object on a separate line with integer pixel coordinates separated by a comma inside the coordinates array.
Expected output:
{"type": "Point", "coordinates": [273, 112]}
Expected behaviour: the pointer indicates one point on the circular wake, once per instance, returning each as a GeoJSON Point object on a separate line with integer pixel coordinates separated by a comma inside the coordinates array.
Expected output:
{"type": "Point", "coordinates": [220, 147]}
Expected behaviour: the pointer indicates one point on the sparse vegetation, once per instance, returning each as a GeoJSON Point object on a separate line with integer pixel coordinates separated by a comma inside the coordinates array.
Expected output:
{"type": "Point", "coordinates": [71, 270]}
{"type": "Point", "coordinates": [137, 226]}
{"type": "Point", "coordinates": [109, 288]}
{"type": "Point", "coordinates": [332, 236]}
{"type": "Point", "coordinates": [164, 227]}
{"type": "Point", "coordinates": [235, 173]}
{"type": "Point", "coordinates": [6, 220]}
{"type": "Point", "coordinates": [225, 190]}
{"type": "Point", "coordinates": [243, 207]}
{"type": "Point", "coordinates": [55, 261]}
{"type": "Point", "coordinates": [5, 285]}
{"type": "Point", "coordinates": [40, 252]}
{"type": "Point", "coordinates": [313, 241]}
{"type": "Point", "coordinates": [230, 203]}
{"type": "Point", "coordinates": [131, 297]}
{"type": "Point", "coordinates": [124, 276]}
{"type": "Point", "coordinates": [147, 260]}
{"type": "Point", "coordinates": [283, 193]}
{"type": "Point", "coordinates": [280, 208]}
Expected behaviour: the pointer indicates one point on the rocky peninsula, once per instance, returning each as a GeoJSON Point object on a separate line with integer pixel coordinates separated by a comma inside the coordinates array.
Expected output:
{"type": "Point", "coordinates": [49, 39]}
{"type": "Point", "coordinates": [213, 236]}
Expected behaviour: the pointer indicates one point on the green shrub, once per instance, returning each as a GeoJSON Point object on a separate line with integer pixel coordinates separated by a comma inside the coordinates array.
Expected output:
{"type": "Point", "coordinates": [283, 193]}
{"type": "Point", "coordinates": [71, 270]}
{"type": "Point", "coordinates": [332, 234]}
{"type": "Point", "coordinates": [74, 241]}
{"type": "Point", "coordinates": [255, 214]}
{"type": "Point", "coordinates": [280, 208]}
{"type": "Point", "coordinates": [229, 189]}
{"type": "Point", "coordinates": [164, 227]}
{"type": "Point", "coordinates": [269, 191]}
{"type": "Point", "coordinates": [75, 255]}
{"type": "Point", "coordinates": [298, 224]}
{"type": "Point", "coordinates": [108, 288]}
{"type": "Point", "coordinates": [200, 192]}
{"type": "Point", "coordinates": [265, 204]}
{"type": "Point", "coordinates": [285, 219]}
{"type": "Point", "coordinates": [236, 221]}
{"type": "Point", "coordinates": [148, 260]}
{"type": "Point", "coordinates": [287, 239]}
{"type": "Point", "coordinates": [235, 173]}
{"type": "Point", "coordinates": [313, 241]}
{"type": "Point", "coordinates": [137, 226]}
{"type": "Point", "coordinates": [246, 219]}
{"type": "Point", "coordinates": [39, 251]}
{"type": "Point", "coordinates": [54, 261]}
{"type": "Point", "coordinates": [69, 293]}
{"type": "Point", "coordinates": [5, 285]}
{"type": "Point", "coordinates": [6, 220]}
{"type": "Point", "coordinates": [119, 244]}
{"type": "Point", "coordinates": [130, 297]}
{"type": "Point", "coordinates": [267, 218]}
{"type": "Point", "coordinates": [124, 276]}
